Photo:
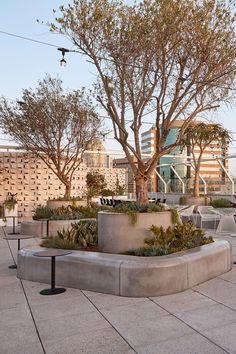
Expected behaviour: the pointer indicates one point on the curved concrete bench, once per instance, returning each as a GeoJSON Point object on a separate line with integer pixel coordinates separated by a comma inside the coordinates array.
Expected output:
{"type": "Point", "coordinates": [38, 228]}
{"type": "Point", "coordinates": [129, 275]}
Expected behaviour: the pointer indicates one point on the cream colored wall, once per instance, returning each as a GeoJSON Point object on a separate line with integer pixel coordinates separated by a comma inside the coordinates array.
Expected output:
{"type": "Point", "coordinates": [35, 183]}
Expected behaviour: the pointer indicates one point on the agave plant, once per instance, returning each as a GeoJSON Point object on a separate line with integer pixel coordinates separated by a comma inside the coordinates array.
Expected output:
{"type": "Point", "coordinates": [81, 235]}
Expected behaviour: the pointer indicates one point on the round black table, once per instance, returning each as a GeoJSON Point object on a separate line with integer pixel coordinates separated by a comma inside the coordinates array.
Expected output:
{"type": "Point", "coordinates": [17, 237]}
{"type": "Point", "coordinates": [53, 253]}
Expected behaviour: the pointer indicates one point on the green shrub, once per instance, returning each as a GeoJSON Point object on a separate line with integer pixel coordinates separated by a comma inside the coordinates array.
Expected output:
{"type": "Point", "coordinates": [68, 213]}
{"type": "Point", "coordinates": [81, 235]}
{"type": "Point", "coordinates": [91, 212]}
{"type": "Point", "coordinates": [71, 199]}
{"type": "Point", "coordinates": [179, 237]}
{"type": "Point", "coordinates": [221, 203]}
{"type": "Point", "coordinates": [133, 209]}
{"type": "Point", "coordinates": [61, 213]}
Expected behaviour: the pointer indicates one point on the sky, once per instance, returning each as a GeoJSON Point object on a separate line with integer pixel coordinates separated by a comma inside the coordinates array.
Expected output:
{"type": "Point", "coordinates": [23, 63]}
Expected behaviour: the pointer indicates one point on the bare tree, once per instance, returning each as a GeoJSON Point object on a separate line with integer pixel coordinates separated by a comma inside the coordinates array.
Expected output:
{"type": "Point", "coordinates": [54, 126]}
{"type": "Point", "coordinates": [173, 58]}
{"type": "Point", "coordinates": [201, 135]}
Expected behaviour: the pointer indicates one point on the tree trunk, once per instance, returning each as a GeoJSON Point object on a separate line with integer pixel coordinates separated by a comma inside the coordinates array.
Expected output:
{"type": "Point", "coordinates": [67, 194]}
{"type": "Point", "coordinates": [196, 183]}
{"type": "Point", "coordinates": [89, 200]}
{"type": "Point", "coordinates": [141, 189]}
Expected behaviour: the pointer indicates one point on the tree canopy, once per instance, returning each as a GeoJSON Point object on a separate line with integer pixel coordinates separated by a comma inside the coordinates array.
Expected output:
{"type": "Point", "coordinates": [197, 138]}
{"type": "Point", "coordinates": [95, 183]}
{"type": "Point", "coordinates": [55, 126]}
{"type": "Point", "coordinates": [173, 58]}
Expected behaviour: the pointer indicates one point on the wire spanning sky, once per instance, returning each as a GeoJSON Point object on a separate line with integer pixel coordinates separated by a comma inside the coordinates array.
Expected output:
{"type": "Point", "coordinates": [24, 62]}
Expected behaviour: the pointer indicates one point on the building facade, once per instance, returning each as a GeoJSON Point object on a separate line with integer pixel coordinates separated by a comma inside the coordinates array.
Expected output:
{"type": "Point", "coordinates": [211, 170]}
{"type": "Point", "coordinates": [35, 183]}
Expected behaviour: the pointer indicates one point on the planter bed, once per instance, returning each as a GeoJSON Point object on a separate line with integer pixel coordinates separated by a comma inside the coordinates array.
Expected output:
{"type": "Point", "coordinates": [129, 275]}
{"type": "Point", "coordinates": [54, 204]}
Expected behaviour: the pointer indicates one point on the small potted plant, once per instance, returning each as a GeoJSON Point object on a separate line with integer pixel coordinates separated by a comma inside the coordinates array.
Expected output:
{"type": "Point", "coordinates": [10, 208]}
{"type": "Point", "coordinates": [10, 201]}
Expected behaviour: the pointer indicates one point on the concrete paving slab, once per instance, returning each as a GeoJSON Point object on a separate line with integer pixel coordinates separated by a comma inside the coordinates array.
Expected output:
{"type": "Point", "coordinates": [11, 295]}
{"type": "Point", "coordinates": [69, 325]}
{"type": "Point", "coordinates": [14, 335]}
{"type": "Point", "coordinates": [16, 315]}
{"type": "Point", "coordinates": [224, 336]}
{"type": "Point", "coordinates": [189, 344]}
{"type": "Point", "coordinates": [146, 310]}
{"type": "Point", "coordinates": [152, 331]}
{"type": "Point", "coordinates": [25, 348]}
{"type": "Point", "coordinates": [217, 289]}
{"type": "Point", "coordinates": [61, 307]}
{"type": "Point", "coordinates": [33, 293]}
{"type": "Point", "coordinates": [105, 341]}
{"type": "Point", "coordinates": [181, 302]}
{"type": "Point", "coordinates": [229, 276]}
{"type": "Point", "coordinates": [208, 317]}
{"type": "Point", "coordinates": [72, 323]}
{"type": "Point", "coordinates": [102, 301]}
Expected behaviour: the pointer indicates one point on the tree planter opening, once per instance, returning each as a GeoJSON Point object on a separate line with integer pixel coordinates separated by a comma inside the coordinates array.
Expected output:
{"type": "Point", "coordinates": [117, 234]}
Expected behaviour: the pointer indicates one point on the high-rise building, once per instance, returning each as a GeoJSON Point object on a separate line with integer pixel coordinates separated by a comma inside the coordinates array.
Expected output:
{"type": "Point", "coordinates": [211, 170]}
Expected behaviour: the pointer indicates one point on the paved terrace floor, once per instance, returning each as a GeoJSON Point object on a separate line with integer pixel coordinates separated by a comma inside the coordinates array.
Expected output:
{"type": "Point", "coordinates": [201, 320]}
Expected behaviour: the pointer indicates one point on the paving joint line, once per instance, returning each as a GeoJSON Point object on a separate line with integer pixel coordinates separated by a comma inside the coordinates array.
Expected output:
{"type": "Point", "coordinates": [109, 322]}
{"type": "Point", "coordinates": [218, 302]}
{"type": "Point", "coordinates": [195, 330]}
{"type": "Point", "coordinates": [27, 301]}
{"type": "Point", "coordinates": [31, 313]}
{"type": "Point", "coordinates": [227, 281]}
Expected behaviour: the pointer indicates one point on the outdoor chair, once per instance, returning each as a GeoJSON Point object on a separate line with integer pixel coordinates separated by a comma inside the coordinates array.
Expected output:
{"type": "Point", "coordinates": [102, 201]}
{"type": "Point", "coordinates": [111, 202]}
{"type": "Point", "coordinates": [187, 213]}
{"type": "Point", "coordinates": [208, 214]}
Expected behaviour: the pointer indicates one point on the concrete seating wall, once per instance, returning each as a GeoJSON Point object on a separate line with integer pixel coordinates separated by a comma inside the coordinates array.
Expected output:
{"type": "Point", "coordinates": [129, 275]}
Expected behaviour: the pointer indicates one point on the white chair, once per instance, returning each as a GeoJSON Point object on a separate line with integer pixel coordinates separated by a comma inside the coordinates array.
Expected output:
{"type": "Point", "coordinates": [207, 214]}
{"type": "Point", "coordinates": [187, 212]}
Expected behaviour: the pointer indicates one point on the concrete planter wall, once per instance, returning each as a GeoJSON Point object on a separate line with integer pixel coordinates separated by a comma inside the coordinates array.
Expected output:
{"type": "Point", "coordinates": [38, 228]}
{"type": "Point", "coordinates": [129, 275]}
{"type": "Point", "coordinates": [54, 204]}
{"type": "Point", "coordinates": [116, 234]}
{"type": "Point", "coordinates": [190, 200]}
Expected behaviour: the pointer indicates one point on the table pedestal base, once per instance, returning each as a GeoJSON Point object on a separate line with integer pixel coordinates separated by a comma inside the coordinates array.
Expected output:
{"type": "Point", "coordinates": [52, 291]}
{"type": "Point", "coordinates": [13, 266]}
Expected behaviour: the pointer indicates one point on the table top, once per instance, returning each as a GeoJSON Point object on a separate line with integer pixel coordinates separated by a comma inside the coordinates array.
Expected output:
{"type": "Point", "coordinates": [52, 253]}
{"type": "Point", "coordinates": [18, 237]}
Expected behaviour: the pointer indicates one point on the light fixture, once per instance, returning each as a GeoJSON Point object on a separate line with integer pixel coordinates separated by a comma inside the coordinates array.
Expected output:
{"type": "Point", "coordinates": [63, 61]}
{"type": "Point", "coordinates": [21, 103]}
